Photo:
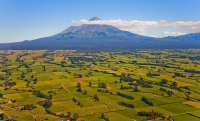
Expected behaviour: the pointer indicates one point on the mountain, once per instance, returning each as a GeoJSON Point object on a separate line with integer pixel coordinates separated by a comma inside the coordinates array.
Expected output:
{"type": "Point", "coordinates": [94, 19]}
{"type": "Point", "coordinates": [93, 31]}
{"type": "Point", "coordinates": [98, 37]}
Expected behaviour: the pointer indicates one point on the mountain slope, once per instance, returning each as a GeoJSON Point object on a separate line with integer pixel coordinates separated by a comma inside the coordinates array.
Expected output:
{"type": "Point", "coordinates": [93, 31]}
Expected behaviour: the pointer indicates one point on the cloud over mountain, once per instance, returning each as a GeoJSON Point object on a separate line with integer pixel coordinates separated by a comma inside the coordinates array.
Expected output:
{"type": "Point", "coordinates": [166, 33]}
{"type": "Point", "coordinates": [133, 26]}
{"type": "Point", "coordinates": [190, 25]}
{"type": "Point", "coordinates": [141, 26]}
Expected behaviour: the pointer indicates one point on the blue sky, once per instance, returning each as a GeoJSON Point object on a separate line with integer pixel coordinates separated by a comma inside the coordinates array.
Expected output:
{"type": "Point", "coordinates": [30, 19]}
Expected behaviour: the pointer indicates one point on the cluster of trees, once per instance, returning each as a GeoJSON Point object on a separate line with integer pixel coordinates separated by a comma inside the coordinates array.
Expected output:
{"type": "Point", "coordinates": [163, 82]}
{"type": "Point", "coordinates": [45, 103]}
{"type": "Point", "coordinates": [78, 75]}
{"type": "Point", "coordinates": [79, 89]}
{"type": "Point", "coordinates": [40, 94]}
{"type": "Point", "coordinates": [102, 90]}
{"type": "Point", "coordinates": [72, 118]}
{"type": "Point", "coordinates": [174, 84]}
{"type": "Point", "coordinates": [85, 92]}
{"type": "Point", "coordinates": [152, 115]}
{"type": "Point", "coordinates": [78, 103]}
{"type": "Point", "coordinates": [178, 74]}
{"type": "Point", "coordinates": [9, 83]}
{"type": "Point", "coordinates": [8, 72]}
{"type": "Point", "coordinates": [135, 89]}
{"type": "Point", "coordinates": [102, 85]}
{"type": "Point", "coordinates": [28, 107]}
{"type": "Point", "coordinates": [144, 99]}
{"type": "Point", "coordinates": [126, 78]}
{"type": "Point", "coordinates": [141, 82]}
{"type": "Point", "coordinates": [126, 87]}
{"type": "Point", "coordinates": [3, 117]}
{"type": "Point", "coordinates": [134, 62]}
{"type": "Point", "coordinates": [63, 63]}
{"type": "Point", "coordinates": [2, 77]}
{"type": "Point", "coordinates": [1, 95]}
{"type": "Point", "coordinates": [90, 84]}
{"type": "Point", "coordinates": [125, 96]}
{"type": "Point", "coordinates": [194, 58]}
{"type": "Point", "coordinates": [23, 75]}
{"type": "Point", "coordinates": [96, 98]}
{"type": "Point", "coordinates": [151, 73]}
{"type": "Point", "coordinates": [126, 104]}
{"type": "Point", "coordinates": [35, 81]}
{"type": "Point", "coordinates": [192, 71]}
{"type": "Point", "coordinates": [44, 68]}
{"type": "Point", "coordinates": [105, 117]}
{"type": "Point", "coordinates": [88, 74]}
{"type": "Point", "coordinates": [169, 93]}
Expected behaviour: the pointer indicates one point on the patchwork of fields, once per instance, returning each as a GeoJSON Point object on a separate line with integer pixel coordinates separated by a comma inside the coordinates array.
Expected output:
{"type": "Point", "coordinates": [106, 86]}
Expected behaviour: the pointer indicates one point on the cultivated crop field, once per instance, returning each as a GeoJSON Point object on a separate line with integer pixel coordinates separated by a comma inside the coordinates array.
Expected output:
{"type": "Point", "coordinates": [43, 85]}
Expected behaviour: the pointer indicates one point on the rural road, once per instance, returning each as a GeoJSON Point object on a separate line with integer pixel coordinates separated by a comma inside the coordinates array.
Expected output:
{"type": "Point", "coordinates": [65, 88]}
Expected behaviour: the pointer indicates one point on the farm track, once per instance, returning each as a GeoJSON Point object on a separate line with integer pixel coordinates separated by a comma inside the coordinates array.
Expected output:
{"type": "Point", "coordinates": [66, 88]}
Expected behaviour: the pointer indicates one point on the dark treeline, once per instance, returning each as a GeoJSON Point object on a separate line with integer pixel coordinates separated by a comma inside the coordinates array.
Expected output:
{"type": "Point", "coordinates": [147, 101]}
{"type": "Point", "coordinates": [192, 71]}
{"type": "Point", "coordinates": [125, 96]}
{"type": "Point", "coordinates": [126, 104]}
{"type": "Point", "coordinates": [152, 115]}
{"type": "Point", "coordinates": [40, 94]}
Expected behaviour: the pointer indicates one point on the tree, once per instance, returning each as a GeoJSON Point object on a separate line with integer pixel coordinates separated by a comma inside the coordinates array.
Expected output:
{"type": "Point", "coordinates": [75, 117]}
{"type": "Point", "coordinates": [74, 99]}
{"type": "Point", "coordinates": [1, 95]}
{"type": "Point", "coordinates": [47, 104]}
{"type": "Point", "coordinates": [79, 75]}
{"type": "Point", "coordinates": [187, 96]}
{"type": "Point", "coordinates": [96, 97]}
{"type": "Point", "coordinates": [85, 92]}
{"type": "Point", "coordinates": [35, 81]}
{"type": "Point", "coordinates": [69, 114]}
{"type": "Point", "coordinates": [90, 84]}
{"type": "Point", "coordinates": [163, 82]}
{"type": "Point", "coordinates": [44, 68]}
{"type": "Point", "coordinates": [63, 63]}
{"type": "Point", "coordinates": [122, 87]}
{"type": "Point", "coordinates": [103, 116]}
{"type": "Point", "coordinates": [79, 87]}
{"type": "Point", "coordinates": [175, 84]}
{"type": "Point", "coordinates": [136, 89]}
{"type": "Point", "coordinates": [170, 93]}
{"type": "Point", "coordinates": [22, 75]}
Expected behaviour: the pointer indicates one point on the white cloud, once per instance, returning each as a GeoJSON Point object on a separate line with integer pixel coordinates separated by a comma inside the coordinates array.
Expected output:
{"type": "Point", "coordinates": [140, 27]}
{"type": "Point", "coordinates": [166, 33]}
{"type": "Point", "coordinates": [189, 25]}
{"type": "Point", "coordinates": [133, 26]}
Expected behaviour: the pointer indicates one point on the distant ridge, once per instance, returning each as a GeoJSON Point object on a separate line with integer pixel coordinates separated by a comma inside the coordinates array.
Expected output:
{"type": "Point", "coordinates": [97, 37]}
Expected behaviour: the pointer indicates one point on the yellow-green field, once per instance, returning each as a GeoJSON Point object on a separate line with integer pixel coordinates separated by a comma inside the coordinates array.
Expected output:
{"type": "Point", "coordinates": [40, 85]}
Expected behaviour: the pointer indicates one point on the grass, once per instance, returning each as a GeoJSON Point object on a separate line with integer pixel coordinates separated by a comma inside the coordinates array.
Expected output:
{"type": "Point", "coordinates": [177, 108]}
{"type": "Point", "coordinates": [161, 110]}
{"type": "Point", "coordinates": [193, 104]}
{"type": "Point", "coordinates": [185, 117]}
{"type": "Point", "coordinates": [132, 114]}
